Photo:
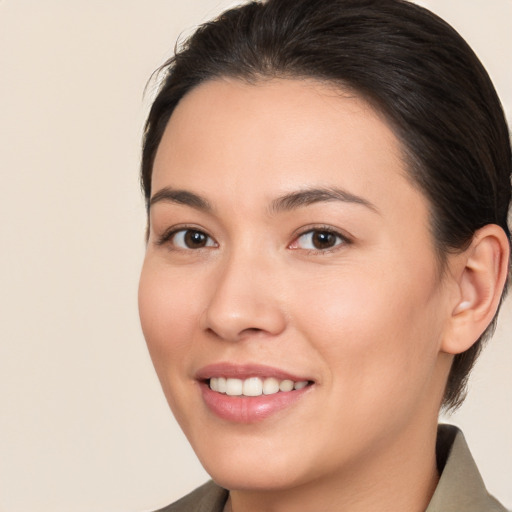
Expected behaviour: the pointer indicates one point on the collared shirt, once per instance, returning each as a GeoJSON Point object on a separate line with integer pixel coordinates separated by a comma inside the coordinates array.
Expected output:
{"type": "Point", "coordinates": [460, 487]}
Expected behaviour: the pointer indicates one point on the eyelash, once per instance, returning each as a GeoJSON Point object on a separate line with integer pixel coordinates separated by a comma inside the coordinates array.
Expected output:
{"type": "Point", "coordinates": [343, 240]}
{"type": "Point", "coordinates": [170, 234]}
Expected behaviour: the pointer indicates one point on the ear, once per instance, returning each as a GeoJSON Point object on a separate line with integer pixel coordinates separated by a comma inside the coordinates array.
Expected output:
{"type": "Point", "coordinates": [480, 273]}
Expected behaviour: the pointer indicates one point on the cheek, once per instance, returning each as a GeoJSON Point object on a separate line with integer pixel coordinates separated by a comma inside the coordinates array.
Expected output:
{"type": "Point", "coordinates": [378, 336]}
{"type": "Point", "coordinates": [169, 312]}
{"type": "Point", "coordinates": [167, 315]}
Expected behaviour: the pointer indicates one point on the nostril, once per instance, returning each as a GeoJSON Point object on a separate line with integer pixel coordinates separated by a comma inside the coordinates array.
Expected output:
{"type": "Point", "coordinates": [252, 330]}
{"type": "Point", "coordinates": [248, 332]}
{"type": "Point", "coordinates": [233, 315]}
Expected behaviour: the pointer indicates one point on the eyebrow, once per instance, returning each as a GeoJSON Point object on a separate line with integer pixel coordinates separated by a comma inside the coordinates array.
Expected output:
{"type": "Point", "coordinates": [184, 197]}
{"type": "Point", "coordinates": [308, 196]}
{"type": "Point", "coordinates": [287, 202]}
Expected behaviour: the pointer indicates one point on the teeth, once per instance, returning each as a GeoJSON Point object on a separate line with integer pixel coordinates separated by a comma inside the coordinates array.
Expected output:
{"type": "Point", "coordinates": [270, 386]}
{"type": "Point", "coordinates": [254, 386]}
{"type": "Point", "coordinates": [234, 387]}
{"type": "Point", "coordinates": [300, 385]}
{"type": "Point", "coordinates": [221, 384]}
{"type": "Point", "coordinates": [286, 385]}
{"type": "Point", "coordinates": [214, 384]}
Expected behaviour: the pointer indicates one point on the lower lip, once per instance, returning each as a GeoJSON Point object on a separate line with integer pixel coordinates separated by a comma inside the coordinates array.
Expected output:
{"type": "Point", "coordinates": [249, 409]}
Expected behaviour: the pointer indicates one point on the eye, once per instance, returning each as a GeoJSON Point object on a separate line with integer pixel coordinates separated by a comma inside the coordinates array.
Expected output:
{"type": "Point", "coordinates": [318, 240]}
{"type": "Point", "coordinates": [191, 239]}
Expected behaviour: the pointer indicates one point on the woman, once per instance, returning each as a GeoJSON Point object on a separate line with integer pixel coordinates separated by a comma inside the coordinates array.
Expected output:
{"type": "Point", "coordinates": [327, 184]}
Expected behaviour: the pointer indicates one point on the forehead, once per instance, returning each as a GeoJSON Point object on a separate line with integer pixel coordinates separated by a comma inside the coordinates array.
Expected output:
{"type": "Point", "coordinates": [238, 141]}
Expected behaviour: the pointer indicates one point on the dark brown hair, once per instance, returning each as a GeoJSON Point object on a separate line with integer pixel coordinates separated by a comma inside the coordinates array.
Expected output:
{"type": "Point", "coordinates": [409, 64]}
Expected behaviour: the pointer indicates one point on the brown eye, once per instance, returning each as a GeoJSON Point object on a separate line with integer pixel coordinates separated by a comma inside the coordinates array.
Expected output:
{"type": "Point", "coordinates": [318, 240]}
{"type": "Point", "coordinates": [192, 239]}
{"type": "Point", "coordinates": [323, 239]}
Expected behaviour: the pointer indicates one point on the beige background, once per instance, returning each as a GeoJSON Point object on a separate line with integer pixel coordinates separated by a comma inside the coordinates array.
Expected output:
{"type": "Point", "coordinates": [83, 423]}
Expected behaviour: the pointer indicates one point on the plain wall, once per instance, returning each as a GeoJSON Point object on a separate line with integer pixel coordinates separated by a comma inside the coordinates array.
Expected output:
{"type": "Point", "coordinates": [84, 426]}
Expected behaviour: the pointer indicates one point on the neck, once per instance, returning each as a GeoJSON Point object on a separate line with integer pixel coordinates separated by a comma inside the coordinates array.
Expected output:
{"type": "Point", "coordinates": [402, 477]}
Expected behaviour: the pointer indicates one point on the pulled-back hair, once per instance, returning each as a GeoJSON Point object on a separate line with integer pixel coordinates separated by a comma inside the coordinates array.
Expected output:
{"type": "Point", "coordinates": [408, 64]}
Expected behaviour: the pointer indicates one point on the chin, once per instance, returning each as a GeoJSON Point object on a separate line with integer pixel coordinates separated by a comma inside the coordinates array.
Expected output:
{"type": "Point", "coordinates": [254, 469]}
{"type": "Point", "coordinates": [242, 478]}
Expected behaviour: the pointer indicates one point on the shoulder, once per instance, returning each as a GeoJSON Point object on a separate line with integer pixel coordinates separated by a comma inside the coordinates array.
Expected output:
{"type": "Point", "coordinates": [460, 485]}
{"type": "Point", "coordinates": [207, 498]}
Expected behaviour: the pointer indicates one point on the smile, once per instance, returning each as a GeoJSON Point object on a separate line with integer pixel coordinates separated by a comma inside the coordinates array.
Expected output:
{"type": "Point", "coordinates": [250, 393]}
{"type": "Point", "coordinates": [254, 386]}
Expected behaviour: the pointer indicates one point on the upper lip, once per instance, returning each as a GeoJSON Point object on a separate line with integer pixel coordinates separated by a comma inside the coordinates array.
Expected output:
{"type": "Point", "coordinates": [245, 371]}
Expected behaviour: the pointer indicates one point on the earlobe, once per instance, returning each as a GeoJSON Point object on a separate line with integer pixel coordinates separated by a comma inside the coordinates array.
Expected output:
{"type": "Point", "coordinates": [480, 278]}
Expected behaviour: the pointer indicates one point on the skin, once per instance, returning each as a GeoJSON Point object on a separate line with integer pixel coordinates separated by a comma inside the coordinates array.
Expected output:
{"type": "Point", "coordinates": [365, 319]}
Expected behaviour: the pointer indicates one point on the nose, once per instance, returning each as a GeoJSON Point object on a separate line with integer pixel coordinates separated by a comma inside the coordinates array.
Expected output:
{"type": "Point", "coordinates": [244, 300]}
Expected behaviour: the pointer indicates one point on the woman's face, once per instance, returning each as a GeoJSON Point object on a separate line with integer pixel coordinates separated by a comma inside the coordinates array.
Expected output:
{"type": "Point", "coordinates": [288, 244]}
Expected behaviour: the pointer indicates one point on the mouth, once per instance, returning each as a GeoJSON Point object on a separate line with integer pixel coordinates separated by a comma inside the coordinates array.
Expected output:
{"type": "Point", "coordinates": [250, 393]}
{"type": "Point", "coordinates": [255, 386]}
